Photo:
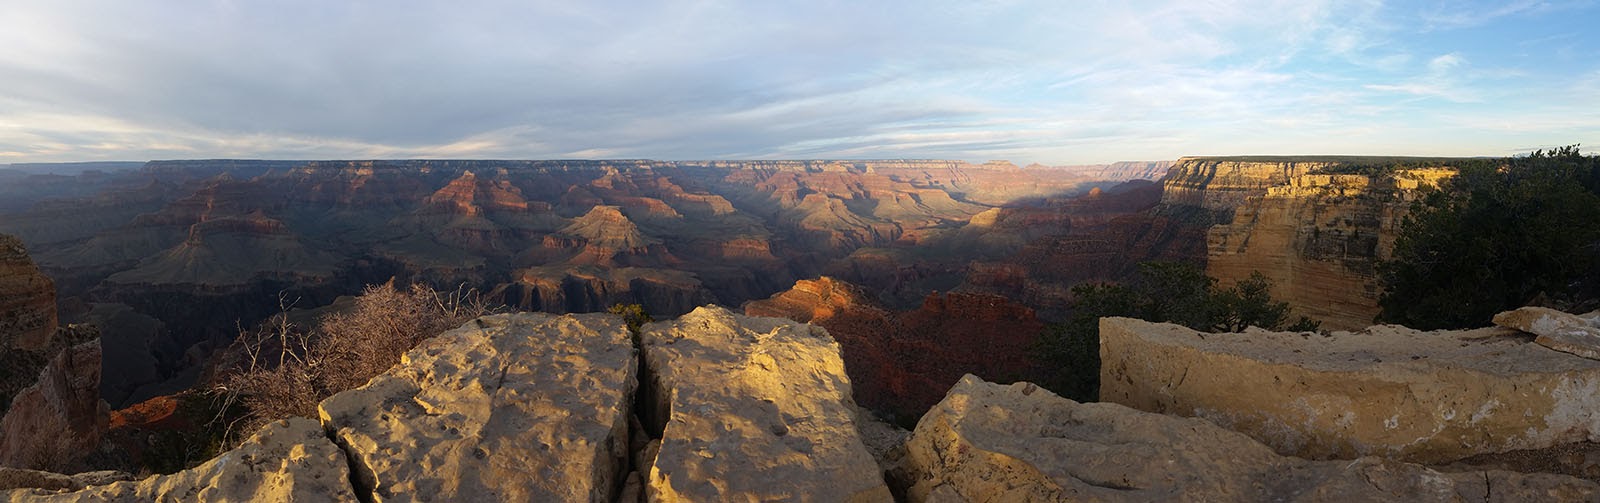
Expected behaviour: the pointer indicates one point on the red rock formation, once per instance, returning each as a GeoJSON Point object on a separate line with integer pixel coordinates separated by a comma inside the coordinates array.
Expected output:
{"type": "Point", "coordinates": [903, 362]}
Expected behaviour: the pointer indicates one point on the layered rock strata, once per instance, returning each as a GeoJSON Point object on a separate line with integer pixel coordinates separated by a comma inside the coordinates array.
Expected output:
{"type": "Point", "coordinates": [752, 409]}
{"type": "Point", "coordinates": [1315, 233]}
{"type": "Point", "coordinates": [27, 300]}
{"type": "Point", "coordinates": [288, 460]}
{"type": "Point", "coordinates": [514, 407]}
{"type": "Point", "coordinates": [988, 442]}
{"type": "Point", "coordinates": [51, 414]}
{"type": "Point", "coordinates": [1428, 397]}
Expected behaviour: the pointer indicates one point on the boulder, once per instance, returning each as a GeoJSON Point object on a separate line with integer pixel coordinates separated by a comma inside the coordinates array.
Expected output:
{"type": "Point", "coordinates": [511, 407]}
{"type": "Point", "coordinates": [288, 460]}
{"type": "Point", "coordinates": [1426, 397]}
{"type": "Point", "coordinates": [752, 409]}
{"type": "Point", "coordinates": [1019, 442]}
{"type": "Point", "coordinates": [1567, 333]}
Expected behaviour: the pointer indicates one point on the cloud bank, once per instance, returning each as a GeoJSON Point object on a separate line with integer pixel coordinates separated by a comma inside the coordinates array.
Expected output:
{"type": "Point", "coordinates": [1055, 82]}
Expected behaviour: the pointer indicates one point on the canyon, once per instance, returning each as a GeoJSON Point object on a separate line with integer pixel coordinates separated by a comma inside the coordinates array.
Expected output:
{"type": "Point", "coordinates": [884, 348]}
{"type": "Point", "coordinates": [173, 258]}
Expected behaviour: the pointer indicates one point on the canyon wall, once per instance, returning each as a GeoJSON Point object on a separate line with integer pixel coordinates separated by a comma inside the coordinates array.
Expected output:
{"type": "Point", "coordinates": [1315, 233]}
{"type": "Point", "coordinates": [27, 300]}
{"type": "Point", "coordinates": [51, 415]}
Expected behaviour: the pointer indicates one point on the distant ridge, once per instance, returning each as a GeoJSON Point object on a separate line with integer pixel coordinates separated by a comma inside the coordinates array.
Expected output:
{"type": "Point", "coordinates": [1342, 159]}
{"type": "Point", "coordinates": [72, 168]}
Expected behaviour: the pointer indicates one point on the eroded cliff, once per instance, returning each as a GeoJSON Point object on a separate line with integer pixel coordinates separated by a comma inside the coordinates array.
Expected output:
{"type": "Point", "coordinates": [51, 415]}
{"type": "Point", "coordinates": [1315, 233]}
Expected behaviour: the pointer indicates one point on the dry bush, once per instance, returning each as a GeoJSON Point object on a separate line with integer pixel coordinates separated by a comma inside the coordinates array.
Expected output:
{"type": "Point", "coordinates": [280, 370]}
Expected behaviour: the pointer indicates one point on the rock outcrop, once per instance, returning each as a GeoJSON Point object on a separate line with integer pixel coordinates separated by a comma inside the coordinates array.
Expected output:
{"type": "Point", "coordinates": [752, 409]}
{"type": "Point", "coordinates": [60, 418]}
{"type": "Point", "coordinates": [900, 362]}
{"type": "Point", "coordinates": [49, 375]}
{"type": "Point", "coordinates": [288, 460]}
{"type": "Point", "coordinates": [1429, 397]}
{"type": "Point", "coordinates": [27, 300]}
{"type": "Point", "coordinates": [1568, 333]}
{"type": "Point", "coordinates": [517, 407]}
{"type": "Point", "coordinates": [1315, 233]}
{"type": "Point", "coordinates": [988, 442]}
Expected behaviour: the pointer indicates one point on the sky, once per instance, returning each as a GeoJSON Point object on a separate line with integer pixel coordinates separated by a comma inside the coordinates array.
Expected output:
{"type": "Point", "coordinates": [1053, 81]}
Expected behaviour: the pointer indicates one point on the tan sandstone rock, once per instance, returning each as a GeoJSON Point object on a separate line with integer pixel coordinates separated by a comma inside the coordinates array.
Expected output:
{"type": "Point", "coordinates": [1019, 442]}
{"type": "Point", "coordinates": [288, 460]}
{"type": "Point", "coordinates": [511, 407]}
{"type": "Point", "coordinates": [1428, 397]}
{"type": "Point", "coordinates": [17, 478]}
{"type": "Point", "coordinates": [1567, 333]}
{"type": "Point", "coordinates": [1316, 236]}
{"type": "Point", "coordinates": [754, 409]}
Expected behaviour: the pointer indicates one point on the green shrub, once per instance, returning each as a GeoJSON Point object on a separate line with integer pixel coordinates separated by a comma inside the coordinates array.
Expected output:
{"type": "Point", "coordinates": [1170, 292]}
{"type": "Point", "coordinates": [1502, 234]}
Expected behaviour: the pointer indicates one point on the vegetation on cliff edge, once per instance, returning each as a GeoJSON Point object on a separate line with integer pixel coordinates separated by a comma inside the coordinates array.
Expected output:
{"type": "Point", "coordinates": [281, 370]}
{"type": "Point", "coordinates": [1502, 234]}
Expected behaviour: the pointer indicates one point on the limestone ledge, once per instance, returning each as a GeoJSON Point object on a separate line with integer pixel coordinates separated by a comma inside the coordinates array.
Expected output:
{"type": "Point", "coordinates": [1018, 442]}
{"type": "Point", "coordinates": [1428, 397]}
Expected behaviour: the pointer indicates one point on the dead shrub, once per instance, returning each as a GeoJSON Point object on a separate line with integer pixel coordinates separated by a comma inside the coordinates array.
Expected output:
{"type": "Point", "coordinates": [281, 370]}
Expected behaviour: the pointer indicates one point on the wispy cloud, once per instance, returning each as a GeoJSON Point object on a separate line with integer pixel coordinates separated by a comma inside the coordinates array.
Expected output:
{"type": "Point", "coordinates": [1467, 14]}
{"type": "Point", "coordinates": [1027, 79]}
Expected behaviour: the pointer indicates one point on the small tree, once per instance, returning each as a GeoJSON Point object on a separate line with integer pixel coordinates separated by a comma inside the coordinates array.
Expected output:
{"type": "Point", "coordinates": [632, 314]}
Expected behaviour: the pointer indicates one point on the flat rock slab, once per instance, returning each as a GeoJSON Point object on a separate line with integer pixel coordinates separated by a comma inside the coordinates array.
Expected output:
{"type": "Point", "coordinates": [290, 460]}
{"type": "Point", "coordinates": [753, 409]}
{"type": "Point", "coordinates": [1427, 397]}
{"type": "Point", "coordinates": [511, 407]}
{"type": "Point", "coordinates": [1019, 442]}
{"type": "Point", "coordinates": [1567, 333]}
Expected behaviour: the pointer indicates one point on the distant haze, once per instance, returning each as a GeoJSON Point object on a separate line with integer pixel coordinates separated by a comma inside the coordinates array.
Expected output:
{"type": "Point", "coordinates": [1029, 81]}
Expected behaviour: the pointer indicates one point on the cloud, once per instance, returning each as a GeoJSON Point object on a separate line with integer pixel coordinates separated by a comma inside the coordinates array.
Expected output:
{"type": "Point", "coordinates": [1467, 14]}
{"type": "Point", "coordinates": [1032, 80]}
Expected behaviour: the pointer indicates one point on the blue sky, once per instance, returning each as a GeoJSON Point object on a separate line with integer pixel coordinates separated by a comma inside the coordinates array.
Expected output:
{"type": "Point", "coordinates": [1057, 82]}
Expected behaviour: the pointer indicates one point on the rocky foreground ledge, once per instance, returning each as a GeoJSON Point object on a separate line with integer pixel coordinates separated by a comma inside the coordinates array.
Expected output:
{"type": "Point", "coordinates": [1428, 397]}
{"type": "Point", "coordinates": [715, 406]}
